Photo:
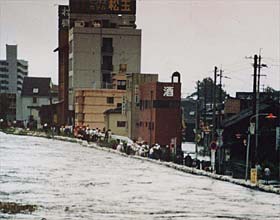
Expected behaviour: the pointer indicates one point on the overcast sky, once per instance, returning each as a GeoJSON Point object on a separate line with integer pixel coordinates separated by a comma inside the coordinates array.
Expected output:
{"type": "Point", "coordinates": [177, 35]}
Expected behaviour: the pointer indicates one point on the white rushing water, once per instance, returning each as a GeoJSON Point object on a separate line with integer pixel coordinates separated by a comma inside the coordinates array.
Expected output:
{"type": "Point", "coordinates": [68, 181]}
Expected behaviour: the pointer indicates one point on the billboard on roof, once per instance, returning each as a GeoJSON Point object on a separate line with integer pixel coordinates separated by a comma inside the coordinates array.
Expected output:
{"type": "Point", "coordinates": [103, 6]}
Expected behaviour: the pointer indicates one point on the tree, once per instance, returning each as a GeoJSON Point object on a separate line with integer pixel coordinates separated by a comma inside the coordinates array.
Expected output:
{"type": "Point", "coordinates": [271, 93]}
{"type": "Point", "coordinates": [206, 87]}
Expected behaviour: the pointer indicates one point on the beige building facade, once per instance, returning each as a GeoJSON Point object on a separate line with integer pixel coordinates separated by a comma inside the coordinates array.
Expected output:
{"type": "Point", "coordinates": [116, 121]}
{"type": "Point", "coordinates": [90, 105]}
{"type": "Point", "coordinates": [95, 52]}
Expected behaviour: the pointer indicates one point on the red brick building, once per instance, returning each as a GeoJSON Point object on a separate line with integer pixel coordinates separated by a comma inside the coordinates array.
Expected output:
{"type": "Point", "coordinates": [160, 112]}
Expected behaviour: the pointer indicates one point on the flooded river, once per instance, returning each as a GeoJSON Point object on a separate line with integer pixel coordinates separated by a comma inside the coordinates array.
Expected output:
{"type": "Point", "coordinates": [68, 181]}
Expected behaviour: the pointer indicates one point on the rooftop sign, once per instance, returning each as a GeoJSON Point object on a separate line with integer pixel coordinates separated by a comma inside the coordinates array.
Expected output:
{"type": "Point", "coordinates": [103, 6]}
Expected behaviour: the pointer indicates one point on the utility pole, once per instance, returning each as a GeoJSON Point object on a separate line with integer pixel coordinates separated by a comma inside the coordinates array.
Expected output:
{"type": "Point", "coordinates": [220, 99]}
{"type": "Point", "coordinates": [205, 102]}
{"type": "Point", "coordinates": [220, 120]}
{"type": "Point", "coordinates": [255, 65]}
{"type": "Point", "coordinates": [260, 65]}
{"type": "Point", "coordinates": [214, 104]}
{"type": "Point", "coordinates": [257, 109]}
{"type": "Point", "coordinates": [151, 118]}
{"type": "Point", "coordinates": [205, 134]}
{"type": "Point", "coordinates": [197, 119]}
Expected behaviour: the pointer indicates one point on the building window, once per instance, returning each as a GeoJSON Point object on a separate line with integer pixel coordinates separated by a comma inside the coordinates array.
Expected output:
{"type": "Point", "coordinates": [34, 99]}
{"type": "Point", "coordinates": [110, 100]}
{"type": "Point", "coordinates": [4, 63]}
{"type": "Point", "coordinates": [107, 45]}
{"type": "Point", "coordinates": [70, 64]}
{"type": "Point", "coordinates": [166, 104]}
{"type": "Point", "coordinates": [71, 46]}
{"type": "Point", "coordinates": [4, 82]}
{"type": "Point", "coordinates": [105, 23]}
{"type": "Point", "coordinates": [4, 88]}
{"type": "Point", "coordinates": [70, 82]}
{"type": "Point", "coordinates": [121, 124]}
{"type": "Point", "coordinates": [107, 63]}
{"type": "Point", "coordinates": [145, 104]}
{"type": "Point", "coordinates": [3, 69]}
{"type": "Point", "coordinates": [151, 125]}
{"type": "Point", "coordinates": [35, 91]}
{"type": "Point", "coordinates": [121, 84]}
{"type": "Point", "coordinates": [4, 76]}
{"type": "Point", "coordinates": [119, 105]}
{"type": "Point", "coordinates": [128, 84]}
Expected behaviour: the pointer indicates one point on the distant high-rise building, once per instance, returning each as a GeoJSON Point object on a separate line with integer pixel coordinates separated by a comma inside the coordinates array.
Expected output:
{"type": "Point", "coordinates": [12, 71]}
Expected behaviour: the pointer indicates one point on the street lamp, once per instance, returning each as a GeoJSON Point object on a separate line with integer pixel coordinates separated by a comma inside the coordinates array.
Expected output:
{"type": "Point", "coordinates": [250, 131]}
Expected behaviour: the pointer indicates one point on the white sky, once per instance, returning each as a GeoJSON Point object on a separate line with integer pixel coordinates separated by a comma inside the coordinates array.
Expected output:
{"type": "Point", "coordinates": [177, 35]}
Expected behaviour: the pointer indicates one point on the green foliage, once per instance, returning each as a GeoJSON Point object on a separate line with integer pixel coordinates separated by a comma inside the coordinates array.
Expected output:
{"type": "Point", "coordinates": [206, 88]}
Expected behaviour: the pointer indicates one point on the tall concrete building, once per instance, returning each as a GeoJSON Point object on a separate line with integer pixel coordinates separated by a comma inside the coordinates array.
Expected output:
{"type": "Point", "coordinates": [12, 71]}
{"type": "Point", "coordinates": [102, 39]}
